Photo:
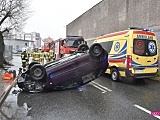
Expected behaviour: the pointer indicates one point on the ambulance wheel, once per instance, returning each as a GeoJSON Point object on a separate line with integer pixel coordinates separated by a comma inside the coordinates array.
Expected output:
{"type": "Point", "coordinates": [96, 50]}
{"type": "Point", "coordinates": [37, 72]}
{"type": "Point", "coordinates": [32, 63]}
{"type": "Point", "coordinates": [114, 74]}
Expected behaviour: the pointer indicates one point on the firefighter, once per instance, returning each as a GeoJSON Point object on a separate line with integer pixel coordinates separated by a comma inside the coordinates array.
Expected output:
{"type": "Point", "coordinates": [24, 59]}
{"type": "Point", "coordinates": [36, 55]}
{"type": "Point", "coordinates": [41, 56]}
{"type": "Point", "coordinates": [51, 55]}
{"type": "Point", "coordinates": [32, 51]}
{"type": "Point", "coordinates": [46, 55]}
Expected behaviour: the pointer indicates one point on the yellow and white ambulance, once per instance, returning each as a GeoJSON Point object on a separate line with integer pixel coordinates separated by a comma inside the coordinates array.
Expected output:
{"type": "Point", "coordinates": [133, 53]}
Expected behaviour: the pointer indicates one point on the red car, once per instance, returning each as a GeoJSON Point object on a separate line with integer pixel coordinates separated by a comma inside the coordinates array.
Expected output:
{"type": "Point", "coordinates": [68, 72]}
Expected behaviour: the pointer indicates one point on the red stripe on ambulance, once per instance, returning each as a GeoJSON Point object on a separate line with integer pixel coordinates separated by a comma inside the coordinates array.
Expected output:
{"type": "Point", "coordinates": [143, 32]}
{"type": "Point", "coordinates": [113, 34]}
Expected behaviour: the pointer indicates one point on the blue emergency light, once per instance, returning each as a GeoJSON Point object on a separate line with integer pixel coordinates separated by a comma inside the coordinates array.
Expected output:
{"type": "Point", "coordinates": [138, 28]}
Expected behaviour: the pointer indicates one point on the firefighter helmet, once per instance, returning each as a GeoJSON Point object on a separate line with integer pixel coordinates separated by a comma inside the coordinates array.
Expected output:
{"type": "Point", "coordinates": [23, 49]}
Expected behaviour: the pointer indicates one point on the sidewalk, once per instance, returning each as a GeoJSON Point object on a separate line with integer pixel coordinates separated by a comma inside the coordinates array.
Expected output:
{"type": "Point", "coordinates": [5, 85]}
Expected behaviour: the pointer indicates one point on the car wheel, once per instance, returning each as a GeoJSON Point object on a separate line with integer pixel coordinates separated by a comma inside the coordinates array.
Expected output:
{"type": "Point", "coordinates": [32, 63]}
{"type": "Point", "coordinates": [37, 72]}
{"type": "Point", "coordinates": [83, 47]}
{"type": "Point", "coordinates": [96, 50]}
{"type": "Point", "coordinates": [114, 74]}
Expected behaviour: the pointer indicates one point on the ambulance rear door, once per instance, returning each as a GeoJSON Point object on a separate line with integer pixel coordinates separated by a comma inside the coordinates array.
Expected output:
{"type": "Point", "coordinates": [145, 56]}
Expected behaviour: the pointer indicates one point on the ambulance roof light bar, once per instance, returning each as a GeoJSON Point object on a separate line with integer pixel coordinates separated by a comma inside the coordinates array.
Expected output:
{"type": "Point", "coordinates": [138, 28]}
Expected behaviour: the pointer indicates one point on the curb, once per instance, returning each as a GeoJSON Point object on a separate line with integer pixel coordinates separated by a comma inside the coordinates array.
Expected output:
{"type": "Point", "coordinates": [6, 91]}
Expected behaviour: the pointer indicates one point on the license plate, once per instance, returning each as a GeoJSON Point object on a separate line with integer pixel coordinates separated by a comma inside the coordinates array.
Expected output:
{"type": "Point", "coordinates": [138, 71]}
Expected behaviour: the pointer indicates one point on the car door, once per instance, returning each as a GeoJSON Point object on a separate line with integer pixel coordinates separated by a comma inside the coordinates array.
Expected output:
{"type": "Point", "coordinates": [84, 69]}
{"type": "Point", "coordinates": [63, 74]}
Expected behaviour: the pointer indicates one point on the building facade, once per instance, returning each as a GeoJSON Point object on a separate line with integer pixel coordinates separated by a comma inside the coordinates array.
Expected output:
{"type": "Point", "coordinates": [19, 40]}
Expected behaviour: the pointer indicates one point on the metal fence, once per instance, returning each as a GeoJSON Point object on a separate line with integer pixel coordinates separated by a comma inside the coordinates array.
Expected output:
{"type": "Point", "coordinates": [8, 52]}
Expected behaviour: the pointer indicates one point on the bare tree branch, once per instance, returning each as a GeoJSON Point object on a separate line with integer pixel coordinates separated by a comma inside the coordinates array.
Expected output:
{"type": "Point", "coordinates": [3, 19]}
{"type": "Point", "coordinates": [5, 30]}
{"type": "Point", "coordinates": [13, 14]}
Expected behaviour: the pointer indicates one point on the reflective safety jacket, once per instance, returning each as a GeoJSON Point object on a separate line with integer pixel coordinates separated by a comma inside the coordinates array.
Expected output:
{"type": "Point", "coordinates": [51, 55]}
{"type": "Point", "coordinates": [36, 56]}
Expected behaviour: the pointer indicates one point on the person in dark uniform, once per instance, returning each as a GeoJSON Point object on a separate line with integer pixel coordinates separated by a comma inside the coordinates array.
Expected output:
{"type": "Point", "coordinates": [24, 59]}
{"type": "Point", "coordinates": [27, 60]}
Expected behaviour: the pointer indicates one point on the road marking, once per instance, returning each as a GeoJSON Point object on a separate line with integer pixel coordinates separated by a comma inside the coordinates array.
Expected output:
{"type": "Point", "coordinates": [145, 110]}
{"type": "Point", "coordinates": [102, 86]}
{"type": "Point", "coordinates": [103, 91]}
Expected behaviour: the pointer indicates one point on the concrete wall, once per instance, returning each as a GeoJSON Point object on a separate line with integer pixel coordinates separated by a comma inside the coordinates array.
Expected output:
{"type": "Point", "coordinates": [116, 15]}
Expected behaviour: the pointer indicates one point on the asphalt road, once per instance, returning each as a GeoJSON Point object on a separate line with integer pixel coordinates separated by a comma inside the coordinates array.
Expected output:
{"type": "Point", "coordinates": [98, 100]}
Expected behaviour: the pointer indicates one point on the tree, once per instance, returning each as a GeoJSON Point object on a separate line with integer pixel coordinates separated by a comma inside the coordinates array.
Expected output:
{"type": "Point", "coordinates": [13, 15]}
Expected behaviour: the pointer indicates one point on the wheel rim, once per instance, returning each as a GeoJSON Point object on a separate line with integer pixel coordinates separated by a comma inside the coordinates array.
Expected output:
{"type": "Point", "coordinates": [114, 75]}
{"type": "Point", "coordinates": [96, 50]}
{"type": "Point", "coordinates": [83, 48]}
{"type": "Point", "coordinates": [37, 72]}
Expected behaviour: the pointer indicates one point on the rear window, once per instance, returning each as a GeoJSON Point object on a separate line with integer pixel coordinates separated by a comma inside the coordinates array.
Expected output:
{"type": "Point", "coordinates": [144, 47]}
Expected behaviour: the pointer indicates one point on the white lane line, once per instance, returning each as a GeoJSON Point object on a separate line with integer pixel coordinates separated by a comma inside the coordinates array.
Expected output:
{"type": "Point", "coordinates": [145, 110]}
{"type": "Point", "coordinates": [103, 91]}
{"type": "Point", "coordinates": [102, 86]}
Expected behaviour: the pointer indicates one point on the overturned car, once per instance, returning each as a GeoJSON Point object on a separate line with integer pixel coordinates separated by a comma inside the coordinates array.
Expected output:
{"type": "Point", "coordinates": [65, 73]}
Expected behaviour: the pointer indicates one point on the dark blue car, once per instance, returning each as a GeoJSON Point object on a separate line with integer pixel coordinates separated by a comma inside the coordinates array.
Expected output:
{"type": "Point", "coordinates": [69, 72]}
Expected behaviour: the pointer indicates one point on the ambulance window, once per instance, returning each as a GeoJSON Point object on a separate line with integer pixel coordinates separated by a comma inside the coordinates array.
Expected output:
{"type": "Point", "coordinates": [107, 45]}
{"type": "Point", "coordinates": [144, 47]}
{"type": "Point", "coordinates": [151, 47]}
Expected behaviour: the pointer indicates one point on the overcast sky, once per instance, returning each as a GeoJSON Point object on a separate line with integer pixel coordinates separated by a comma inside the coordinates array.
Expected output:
{"type": "Point", "coordinates": [51, 16]}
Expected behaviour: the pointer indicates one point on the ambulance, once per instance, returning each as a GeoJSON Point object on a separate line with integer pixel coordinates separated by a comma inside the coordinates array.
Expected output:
{"type": "Point", "coordinates": [133, 53]}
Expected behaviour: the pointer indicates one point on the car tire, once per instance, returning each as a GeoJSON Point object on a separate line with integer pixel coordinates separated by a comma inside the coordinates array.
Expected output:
{"type": "Point", "coordinates": [37, 72]}
{"type": "Point", "coordinates": [32, 63]}
{"type": "Point", "coordinates": [96, 50]}
{"type": "Point", "coordinates": [83, 47]}
{"type": "Point", "coordinates": [115, 75]}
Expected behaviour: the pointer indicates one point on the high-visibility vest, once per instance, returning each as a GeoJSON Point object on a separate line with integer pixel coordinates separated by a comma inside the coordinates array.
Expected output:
{"type": "Point", "coordinates": [41, 55]}
{"type": "Point", "coordinates": [51, 52]}
{"type": "Point", "coordinates": [36, 56]}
